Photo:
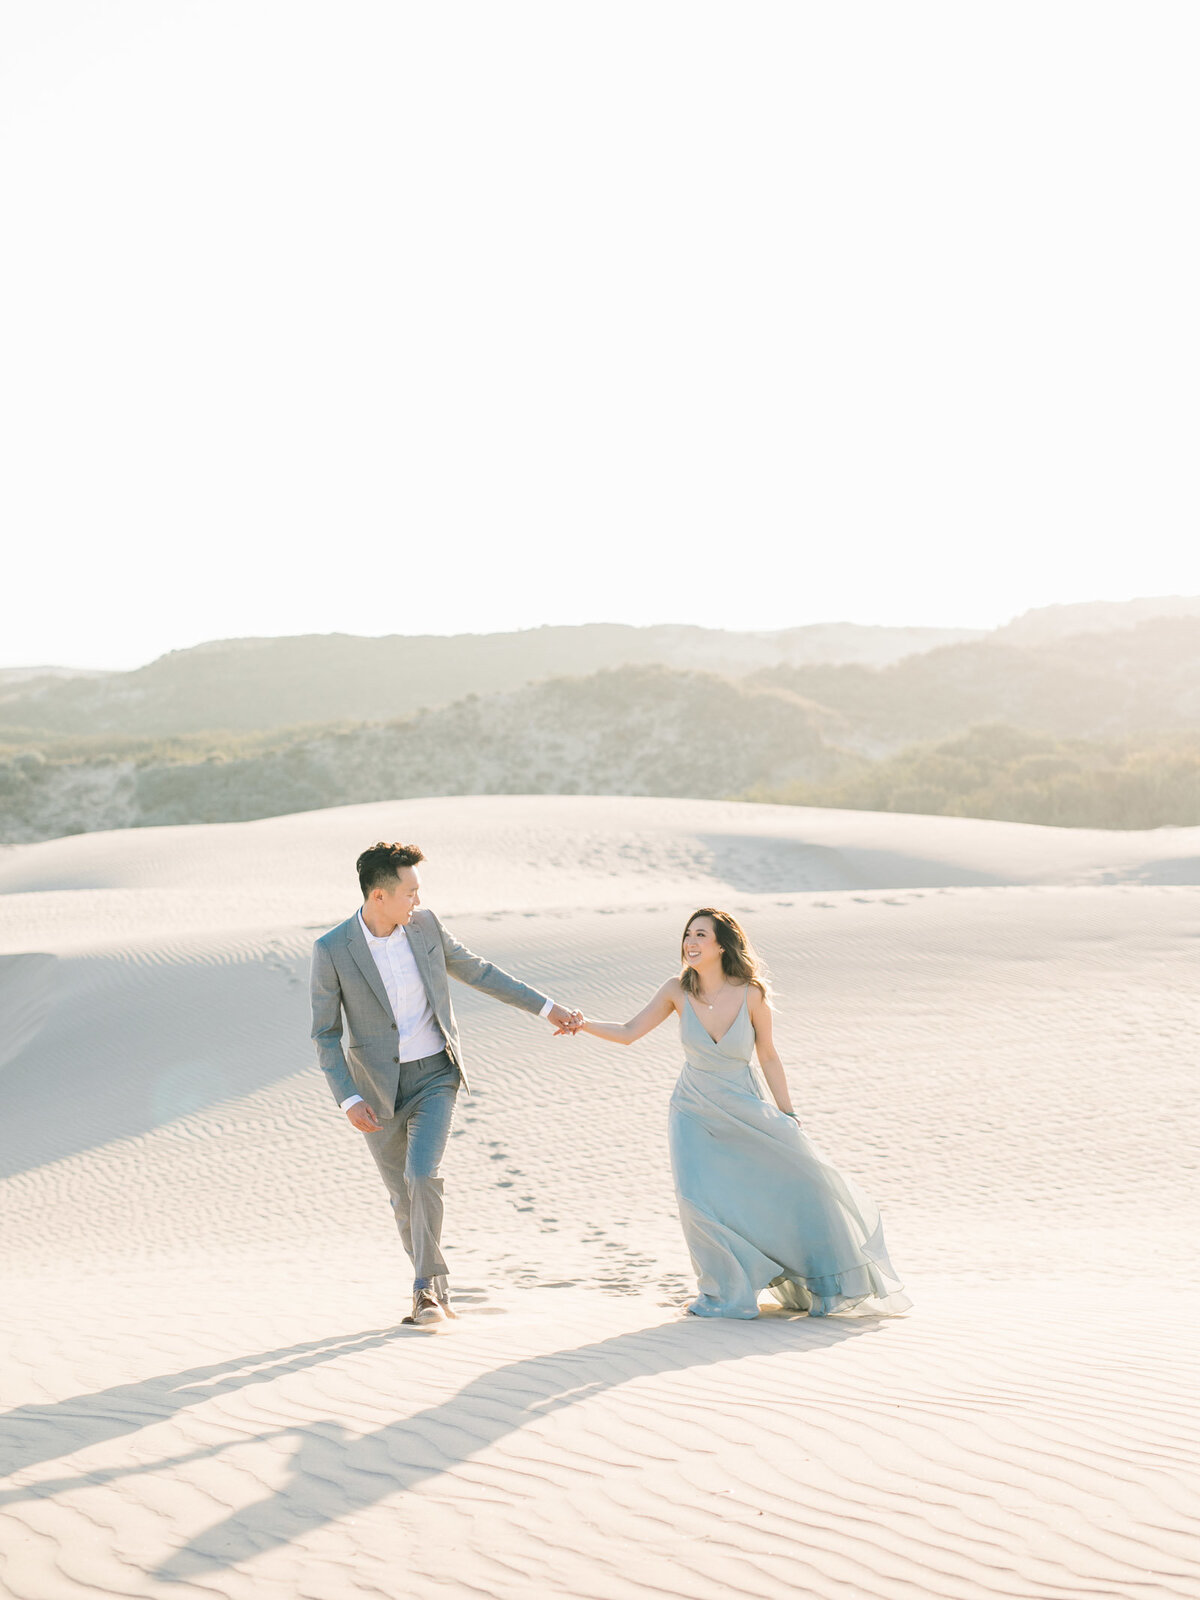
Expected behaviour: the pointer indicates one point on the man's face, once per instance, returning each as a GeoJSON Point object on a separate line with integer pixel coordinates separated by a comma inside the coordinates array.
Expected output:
{"type": "Point", "coordinates": [398, 904]}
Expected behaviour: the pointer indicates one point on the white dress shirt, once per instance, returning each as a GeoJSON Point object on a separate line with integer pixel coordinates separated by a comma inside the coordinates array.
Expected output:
{"type": "Point", "coordinates": [417, 1030]}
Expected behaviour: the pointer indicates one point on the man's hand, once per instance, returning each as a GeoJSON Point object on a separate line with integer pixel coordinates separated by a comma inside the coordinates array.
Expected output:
{"type": "Point", "coordinates": [363, 1118]}
{"type": "Point", "coordinates": [564, 1021]}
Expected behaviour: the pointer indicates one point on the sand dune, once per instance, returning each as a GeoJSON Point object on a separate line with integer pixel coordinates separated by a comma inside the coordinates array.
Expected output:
{"type": "Point", "coordinates": [990, 1026]}
{"type": "Point", "coordinates": [491, 852]}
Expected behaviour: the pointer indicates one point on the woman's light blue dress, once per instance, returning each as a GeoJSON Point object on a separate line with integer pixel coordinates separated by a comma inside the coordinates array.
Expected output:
{"type": "Point", "coordinates": [760, 1208]}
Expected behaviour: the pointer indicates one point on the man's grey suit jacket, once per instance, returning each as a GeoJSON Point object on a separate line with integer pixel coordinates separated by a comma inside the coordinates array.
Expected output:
{"type": "Point", "coordinates": [346, 980]}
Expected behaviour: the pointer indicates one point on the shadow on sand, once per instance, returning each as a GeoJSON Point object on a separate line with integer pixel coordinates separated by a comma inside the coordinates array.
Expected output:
{"type": "Point", "coordinates": [32, 1434]}
{"type": "Point", "coordinates": [334, 1473]}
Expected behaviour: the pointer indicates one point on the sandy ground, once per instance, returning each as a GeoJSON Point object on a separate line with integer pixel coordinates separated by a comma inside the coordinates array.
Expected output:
{"type": "Point", "coordinates": [205, 1384]}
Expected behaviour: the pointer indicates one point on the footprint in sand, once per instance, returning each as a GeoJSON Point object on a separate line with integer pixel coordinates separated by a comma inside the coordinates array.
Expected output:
{"type": "Point", "coordinates": [277, 961]}
{"type": "Point", "coordinates": [476, 1303]}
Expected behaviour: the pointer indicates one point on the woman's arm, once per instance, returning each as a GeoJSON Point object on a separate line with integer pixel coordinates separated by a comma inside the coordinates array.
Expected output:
{"type": "Point", "coordinates": [659, 1009]}
{"type": "Point", "coordinates": [768, 1056]}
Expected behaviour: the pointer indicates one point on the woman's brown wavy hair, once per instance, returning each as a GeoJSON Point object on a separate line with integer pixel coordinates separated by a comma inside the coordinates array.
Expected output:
{"type": "Point", "coordinates": [738, 958]}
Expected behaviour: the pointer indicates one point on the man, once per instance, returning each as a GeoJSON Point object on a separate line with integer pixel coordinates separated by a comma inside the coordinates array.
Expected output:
{"type": "Point", "coordinates": [387, 969]}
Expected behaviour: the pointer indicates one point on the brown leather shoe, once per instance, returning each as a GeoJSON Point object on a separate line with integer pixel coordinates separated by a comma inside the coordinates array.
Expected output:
{"type": "Point", "coordinates": [426, 1311]}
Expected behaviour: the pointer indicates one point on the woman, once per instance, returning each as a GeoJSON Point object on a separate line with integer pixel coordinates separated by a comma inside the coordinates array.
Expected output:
{"type": "Point", "coordinates": [760, 1208]}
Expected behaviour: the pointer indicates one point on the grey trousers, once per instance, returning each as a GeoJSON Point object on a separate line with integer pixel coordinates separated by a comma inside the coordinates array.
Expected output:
{"type": "Point", "coordinates": [408, 1151]}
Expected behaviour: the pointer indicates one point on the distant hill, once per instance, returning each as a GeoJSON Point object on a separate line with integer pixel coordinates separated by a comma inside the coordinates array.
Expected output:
{"type": "Point", "coordinates": [1089, 685]}
{"type": "Point", "coordinates": [1046, 624]}
{"type": "Point", "coordinates": [250, 684]}
{"type": "Point", "coordinates": [11, 676]}
{"type": "Point", "coordinates": [633, 730]}
{"type": "Point", "coordinates": [1091, 726]}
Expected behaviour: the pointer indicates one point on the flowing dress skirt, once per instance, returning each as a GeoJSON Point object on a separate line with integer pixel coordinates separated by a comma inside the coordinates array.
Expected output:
{"type": "Point", "coordinates": [761, 1208]}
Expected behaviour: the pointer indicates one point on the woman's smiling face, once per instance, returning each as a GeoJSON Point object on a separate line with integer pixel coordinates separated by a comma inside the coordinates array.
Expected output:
{"type": "Point", "coordinates": [700, 942]}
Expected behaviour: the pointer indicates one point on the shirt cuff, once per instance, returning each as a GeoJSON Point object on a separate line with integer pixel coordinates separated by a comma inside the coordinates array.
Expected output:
{"type": "Point", "coordinates": [546, 1009]}
{"type": "Point", "coordinates": [351, 1100]}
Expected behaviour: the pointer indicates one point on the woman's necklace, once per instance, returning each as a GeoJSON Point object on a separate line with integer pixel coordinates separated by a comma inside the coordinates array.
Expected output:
{"type": "Point", "coordinates": [711, 1003]}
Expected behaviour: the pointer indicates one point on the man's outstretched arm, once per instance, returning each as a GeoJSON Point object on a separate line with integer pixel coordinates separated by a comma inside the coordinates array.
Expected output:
{"type": "Point", "coordinates": [467, 967]}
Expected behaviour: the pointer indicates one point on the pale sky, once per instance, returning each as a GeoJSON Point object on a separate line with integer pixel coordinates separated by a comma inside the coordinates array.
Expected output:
{"type": "Point", "coordinates": [388, 317]}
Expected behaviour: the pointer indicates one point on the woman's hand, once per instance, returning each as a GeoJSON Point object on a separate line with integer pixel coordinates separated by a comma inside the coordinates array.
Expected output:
{"type": "Point", "coordinates": [647, 1019]}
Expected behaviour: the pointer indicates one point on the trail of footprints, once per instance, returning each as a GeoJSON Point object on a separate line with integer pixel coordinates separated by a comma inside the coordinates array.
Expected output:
{"type": "Point", "coordinates": [625, 1271]}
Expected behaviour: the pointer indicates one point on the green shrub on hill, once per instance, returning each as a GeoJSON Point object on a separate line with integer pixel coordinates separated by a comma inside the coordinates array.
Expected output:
{"type": "Point", "coordinates": [1011, 775]}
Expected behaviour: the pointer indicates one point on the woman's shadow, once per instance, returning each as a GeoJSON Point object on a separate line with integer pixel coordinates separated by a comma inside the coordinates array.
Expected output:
{"type": "Point", "coordinates": [334, 1473]}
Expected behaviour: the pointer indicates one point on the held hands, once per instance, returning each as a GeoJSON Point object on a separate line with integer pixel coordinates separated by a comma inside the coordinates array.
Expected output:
{"type": "Point", "coordinates": [565, 1021]}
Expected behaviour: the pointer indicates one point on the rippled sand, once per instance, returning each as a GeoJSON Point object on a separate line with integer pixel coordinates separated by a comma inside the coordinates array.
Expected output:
{"type": "Point", "coordinates": [207, 1388]}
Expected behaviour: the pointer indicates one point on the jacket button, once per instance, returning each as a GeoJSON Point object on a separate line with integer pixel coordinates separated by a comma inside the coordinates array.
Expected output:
{"type": "Point", "coordinates": [394, 1027]}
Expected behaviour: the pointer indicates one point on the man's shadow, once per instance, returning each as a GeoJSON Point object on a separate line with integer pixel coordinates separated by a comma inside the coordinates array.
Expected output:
{"type": "Point", "coordinates": [32, 1434]}
{"type": "Point", "coordinates": [334, 1473]}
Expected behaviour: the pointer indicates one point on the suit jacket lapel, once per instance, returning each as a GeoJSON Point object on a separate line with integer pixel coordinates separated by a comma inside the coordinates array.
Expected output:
{"type": "Point", "coordinates": [420, 950]}
{"type": "Point", "coordinates": [365, 961]}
